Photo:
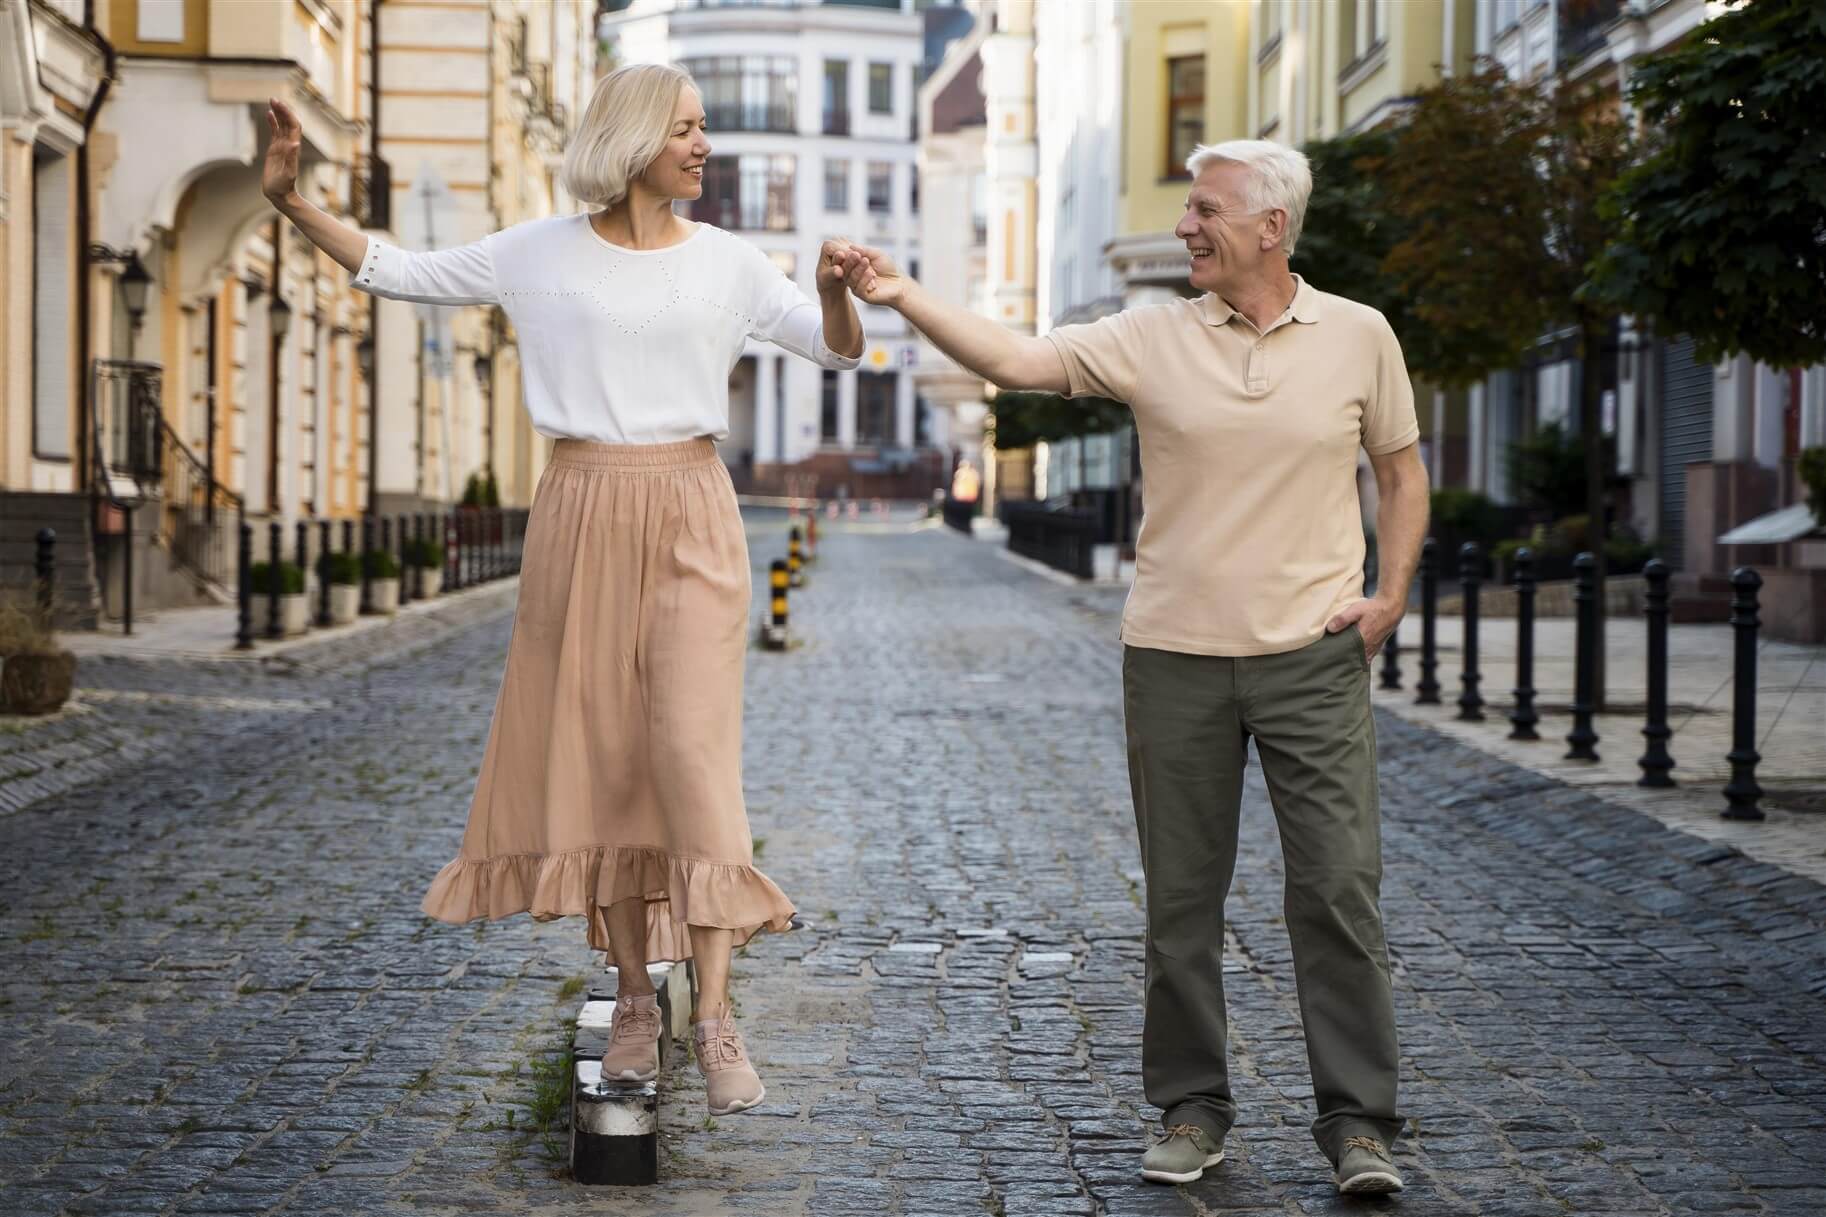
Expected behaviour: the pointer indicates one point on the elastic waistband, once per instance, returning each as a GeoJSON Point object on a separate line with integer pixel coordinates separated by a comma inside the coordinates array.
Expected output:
{"type": "Point", "coordinates": [591, 454]}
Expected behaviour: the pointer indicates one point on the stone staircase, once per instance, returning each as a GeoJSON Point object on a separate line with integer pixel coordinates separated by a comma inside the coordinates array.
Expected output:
{"type": "Point", "coordinates": [76, 589]}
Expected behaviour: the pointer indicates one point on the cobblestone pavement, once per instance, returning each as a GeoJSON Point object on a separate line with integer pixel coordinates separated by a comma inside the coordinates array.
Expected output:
{"type": "Point", "coordinates": [221, 998]}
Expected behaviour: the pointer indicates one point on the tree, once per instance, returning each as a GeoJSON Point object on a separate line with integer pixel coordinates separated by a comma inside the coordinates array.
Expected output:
{"type": "Point", "coordinates": [1722, 225]}
{"type": "Point", "coordinates": [1498, 185]}
{"type": "Point", "coordinates": [1023, 418]}
{"type": "Point", "coordinates": [1349, 228]}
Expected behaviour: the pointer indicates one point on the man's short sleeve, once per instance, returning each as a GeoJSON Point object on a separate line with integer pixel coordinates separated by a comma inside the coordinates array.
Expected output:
{"type": "Point", "coordinates": [1389, 421]}
{"type": "Point", "coordinates": [1104, 358]}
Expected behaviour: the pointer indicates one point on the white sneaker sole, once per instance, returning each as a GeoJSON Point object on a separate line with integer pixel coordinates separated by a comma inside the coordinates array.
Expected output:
{"type": "Point", "coordinates": [629, 1075]}
{"type": "Point", "coordinates": [733, 1108]}
{"type": "Point", "coordinates": [1370, 1183]}
{"type": "Point", "coordinates": [1183, 1176]}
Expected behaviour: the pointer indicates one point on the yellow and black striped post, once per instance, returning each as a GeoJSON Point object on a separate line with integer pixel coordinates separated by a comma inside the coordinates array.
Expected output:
{"type": "Point", "coordinates": [773, 631]}
{"type": "Point", "coordinates": [795, 558]}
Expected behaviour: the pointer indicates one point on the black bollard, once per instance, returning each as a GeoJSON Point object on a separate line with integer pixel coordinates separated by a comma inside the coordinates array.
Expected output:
{"type": "Point", "coordinates": [417, 550]}
{"type": "Point", "coordinates": [1582, 738]}
{"type": "Point", "coordinates": [399, 555]}
{"type": "Point", "coordinates": [367, 546]}
{"type": "Point", "coordinates": [303, 535]}
{"type": "Point", "coordinates": [1523, 717]}
{"type": "Point", "coordinates": [449, 542]}
{"type": "Point", "coordinates": [323, 573]}
{"type": "Point", "coordinates": [46, 570]}
{"type": "Point", "coordinates": [1470, 579]}
{"type": "Point", "coordinates": [275, 555]}
{"type": "Point", "coordinates": [497, 539]}
{"type": "Point", "coordinates": [244, 590]}
{"type": "Point", "coordinates": [1427, 691]}
{"type": "Point", "coordinates": [1741, 791]}
{"type": "Point", "coordinates": [1391, 662]}
{"type": "Point", "coordinates": [1655, 761]}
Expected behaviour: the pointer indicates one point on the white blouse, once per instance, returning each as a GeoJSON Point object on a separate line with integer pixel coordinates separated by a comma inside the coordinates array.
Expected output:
{"type": "Point", "coordinates": [624, 346]}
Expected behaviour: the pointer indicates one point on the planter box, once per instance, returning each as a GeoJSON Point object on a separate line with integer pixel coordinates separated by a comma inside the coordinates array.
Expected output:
{"type": "Point", "coordinates": [294, 614]}
{"type": "Point", "coordinates": [431, 581]}
{"type": "Point", "coordinates": [384, 595]}
{"type": "Point", "coordinates": [36, 684]}
{"type": "Point", "coordinates": [345, 602]}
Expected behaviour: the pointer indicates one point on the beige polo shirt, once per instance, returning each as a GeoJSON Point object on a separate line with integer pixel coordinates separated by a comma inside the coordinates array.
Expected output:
{"type": "Point", "coordinates": [1251, 534]}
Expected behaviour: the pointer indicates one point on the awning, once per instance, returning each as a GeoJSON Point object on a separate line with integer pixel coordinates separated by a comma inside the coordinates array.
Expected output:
{"type": "Point", "coordinates": [1785, 525]}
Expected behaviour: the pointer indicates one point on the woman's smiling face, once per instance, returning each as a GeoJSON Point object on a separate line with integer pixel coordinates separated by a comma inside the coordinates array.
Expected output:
{"type": "Point", "coordinates": [678, 171]}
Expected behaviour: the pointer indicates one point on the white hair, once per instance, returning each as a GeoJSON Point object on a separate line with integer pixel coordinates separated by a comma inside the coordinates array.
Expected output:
{"type": "Point", "coordinates": [1279, 178]}
{"type": "Point", "coordinates": [623, 129]}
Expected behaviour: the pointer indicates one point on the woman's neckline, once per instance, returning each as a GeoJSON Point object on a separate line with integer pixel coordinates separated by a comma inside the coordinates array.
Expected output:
{"type": "Point", "coordinates": [697, 227]}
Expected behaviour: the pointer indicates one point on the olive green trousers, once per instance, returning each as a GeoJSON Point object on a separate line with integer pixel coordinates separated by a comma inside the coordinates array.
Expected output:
{"type": "Point", "coordinates": [1190, 719]}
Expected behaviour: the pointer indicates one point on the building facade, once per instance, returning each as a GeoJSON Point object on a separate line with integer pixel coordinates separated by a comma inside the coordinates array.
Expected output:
{"type": "Point", "coordinates": [811, 119]}
{"type": "Point", "coordinates": [174, 346]}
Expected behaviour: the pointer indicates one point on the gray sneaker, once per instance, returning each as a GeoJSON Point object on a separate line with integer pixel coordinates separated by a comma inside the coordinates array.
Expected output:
{"type": "Point", "coordinates": [1366, 1168]}
{"type": "Point", "coordinates": [1181, 1155]}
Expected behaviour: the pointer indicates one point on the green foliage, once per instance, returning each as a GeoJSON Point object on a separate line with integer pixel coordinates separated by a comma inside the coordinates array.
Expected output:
{"type": "Point", "coordinates": [1494, 185]}
{"type": "Point", "coordinates": [379, 564]}
{"type": "Point", "coordinates": [481, 490]}
{"type": "Point", "coordinates": [1022, 419]}
{"type": "Point", "coordinates": [1548, 470]}
{"type": "Point", "coordinates": [1812, 468]}
{"type": "Point", "coordinates": [1467, 515]}
{"type": "Point", "coordinates": [1721, 223]}
{"type": "Point", "coordinates": [1350, 228]}
{"type": "Point", "coordinates": [340, 568]}
{"type": "Point", "coordinates": [428, 555]}
{"type": "Point", "coordinates": [291, 578]}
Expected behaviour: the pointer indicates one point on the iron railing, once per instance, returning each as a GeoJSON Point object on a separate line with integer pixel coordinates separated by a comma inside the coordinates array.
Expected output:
{"type": "Point", "coordinates": [1064, 539]}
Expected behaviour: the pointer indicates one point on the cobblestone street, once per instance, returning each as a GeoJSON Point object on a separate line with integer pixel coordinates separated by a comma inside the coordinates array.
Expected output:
{"type": "Point", "coordinates": [221, 997]}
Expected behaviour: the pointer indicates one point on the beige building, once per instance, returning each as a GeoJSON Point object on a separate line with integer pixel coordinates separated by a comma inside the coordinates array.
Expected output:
{"type": "Point", "coordinates": [170, 343]}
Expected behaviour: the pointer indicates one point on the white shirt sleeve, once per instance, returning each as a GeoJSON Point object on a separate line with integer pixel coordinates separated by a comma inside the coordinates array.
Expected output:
{"type": "Point", "coordinates": [785, 316]}
{"type": "Point", "coordinates": [463, 275]}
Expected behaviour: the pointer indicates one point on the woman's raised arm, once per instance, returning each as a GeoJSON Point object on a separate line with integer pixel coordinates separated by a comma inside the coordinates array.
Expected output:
{"type": "Point", "coordinates": [279, 182]}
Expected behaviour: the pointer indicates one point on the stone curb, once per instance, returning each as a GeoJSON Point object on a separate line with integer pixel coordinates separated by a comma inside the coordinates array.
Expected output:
{"type": "Point", "coordinates": [615, 1125]}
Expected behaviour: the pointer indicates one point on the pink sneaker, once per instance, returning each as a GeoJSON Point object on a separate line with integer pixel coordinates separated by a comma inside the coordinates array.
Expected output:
{"type": "Point", "coordinates": [633, 1054]}
{"type": "Point", "coordinates": [729, 1079]}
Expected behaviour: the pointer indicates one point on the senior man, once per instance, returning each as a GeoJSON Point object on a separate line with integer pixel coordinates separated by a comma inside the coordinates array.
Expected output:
{"type": "Point", "coordinates": [1246, 621]}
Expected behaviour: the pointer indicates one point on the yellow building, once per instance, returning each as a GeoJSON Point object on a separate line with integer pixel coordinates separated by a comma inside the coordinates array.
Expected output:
{"type": "Point", "coordinates": [167, 338]}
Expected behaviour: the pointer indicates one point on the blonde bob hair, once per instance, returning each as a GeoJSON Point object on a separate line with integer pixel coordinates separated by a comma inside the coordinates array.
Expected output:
{"type": "Point", "coordinates": [623, 129]}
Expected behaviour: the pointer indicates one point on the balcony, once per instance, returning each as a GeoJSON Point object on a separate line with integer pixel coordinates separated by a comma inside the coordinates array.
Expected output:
{"type": "Point", "coordinates": [836, 122]}
{"type": "Point", "coordinates": [1581, 27]}
{"type": "Point", "coordinates": [776, 117]}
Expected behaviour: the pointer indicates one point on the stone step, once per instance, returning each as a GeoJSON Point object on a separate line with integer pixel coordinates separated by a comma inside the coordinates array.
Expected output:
{"type": "Point", "coordinates": [615, 1125]}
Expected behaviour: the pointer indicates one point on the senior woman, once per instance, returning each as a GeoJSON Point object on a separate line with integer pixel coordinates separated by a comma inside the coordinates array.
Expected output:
{"type": "Point", "coordinates": [611, 783]}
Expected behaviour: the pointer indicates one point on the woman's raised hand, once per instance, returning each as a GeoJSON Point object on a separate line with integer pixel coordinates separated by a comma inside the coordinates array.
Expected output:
{"type": "Point", "coordinates": [279, 177]}
{"type": "Point", "coordinates": [872, 275]}
{"type": "Point", "coordinates": [832, 269]}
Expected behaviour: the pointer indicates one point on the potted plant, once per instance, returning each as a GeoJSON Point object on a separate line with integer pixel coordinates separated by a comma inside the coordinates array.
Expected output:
{"type": "Point", "coordinates": [344, 574]}
{"type": "Point", "coordinates": [383, 580]}
{"type": "Point", "coordinates": [36, 674]}
{"type": "Point", "coordinates": [427, 558]}
{"type": "Point", "coordinates": [294, 605]}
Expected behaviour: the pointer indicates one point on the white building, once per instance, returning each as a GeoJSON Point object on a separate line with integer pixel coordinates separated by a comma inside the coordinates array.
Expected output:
{"type": "Point", "coordinates": [811, 116]}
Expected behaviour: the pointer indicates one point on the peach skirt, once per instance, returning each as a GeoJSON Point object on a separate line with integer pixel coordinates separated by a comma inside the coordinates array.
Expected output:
{"type": "Point", "coordinates": [614, 763]}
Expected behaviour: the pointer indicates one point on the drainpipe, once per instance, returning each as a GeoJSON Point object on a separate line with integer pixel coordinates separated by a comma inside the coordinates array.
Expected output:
{"type": "Point", "coordinates": [373, 303]}
{"type": "Point", "coordinates": [85, 221]}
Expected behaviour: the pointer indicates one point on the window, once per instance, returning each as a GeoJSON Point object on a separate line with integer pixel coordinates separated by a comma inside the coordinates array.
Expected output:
{"type": "Point", "coordinates": [881, 88]}
{"type": "Point", "coordinates": [979, 209]}
{"type": "Point", "coordinates": [1271, 24]}
{"type": "Point", "coordinates": [881, 187]}
{"type": "Point", "coordinates": [747, 192]}
{"type": "Point", "coordinates": [836, 97]}
{"type": "Point", "coordinates": [1185, 110]}
{"type": "Point", "coordinates": [913, 268]}
{"type": "Point", "coordinates": [747, 92]}
{"type": "Point", "coordinates": [913, 189]}
{"type": "Point", "coordinates": [875, 409]}
{"type": "Point", "coordinates": [837, 185]}
{"type": "Point", "coordinates": [827, 425]}
{"type": "Point", "coordinates": [1372, 21]}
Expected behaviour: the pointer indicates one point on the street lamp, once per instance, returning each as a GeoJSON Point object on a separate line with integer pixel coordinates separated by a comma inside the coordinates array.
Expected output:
{"type": "Point", "coordinates": [364, 357]}
{"type": "Point", "coordinates": [134, 283]}
{"type": "Point", "coordinates": [281, 316]}
{"type": "Point", "coordinates": [483, 366]}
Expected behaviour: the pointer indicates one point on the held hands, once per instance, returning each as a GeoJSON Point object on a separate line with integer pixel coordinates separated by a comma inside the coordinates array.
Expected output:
{"type": "Point", "coordinates": [1376, 619]}
{"type": "Point", "coordinates": [831, 267]}
{"type": "Point", "coordinates": [872, 275]}
{"type": "Point", "coordinates": [279, 176]}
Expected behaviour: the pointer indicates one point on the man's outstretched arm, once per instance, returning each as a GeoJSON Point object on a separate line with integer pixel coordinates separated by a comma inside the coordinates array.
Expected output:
{"type": "Point", "coordinates": [973, 342]}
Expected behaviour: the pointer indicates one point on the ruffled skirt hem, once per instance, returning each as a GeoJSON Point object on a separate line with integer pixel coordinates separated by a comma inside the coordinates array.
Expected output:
{"type": "Point", "coordinates": [679, 892]}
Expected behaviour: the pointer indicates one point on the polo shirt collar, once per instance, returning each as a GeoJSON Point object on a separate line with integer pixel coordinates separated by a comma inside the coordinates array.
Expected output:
{"type": "Point", "coordinates": [1305, 307]}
